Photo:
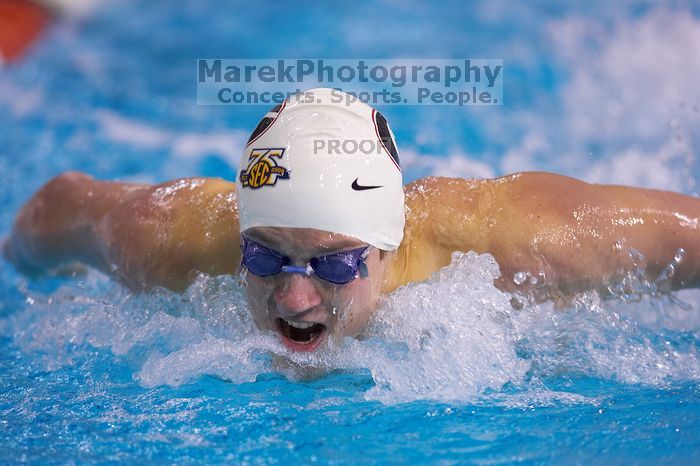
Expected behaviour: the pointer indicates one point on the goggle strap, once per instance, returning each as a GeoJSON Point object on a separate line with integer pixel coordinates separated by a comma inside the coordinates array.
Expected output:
{"type": "Point", "coordinates": [362, 267]}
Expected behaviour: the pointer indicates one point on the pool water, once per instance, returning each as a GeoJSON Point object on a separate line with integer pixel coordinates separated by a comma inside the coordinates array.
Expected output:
{"type": "Point", "coordinates": [448, 371]}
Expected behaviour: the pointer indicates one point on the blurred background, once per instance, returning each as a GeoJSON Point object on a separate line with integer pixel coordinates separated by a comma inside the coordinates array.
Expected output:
{"type": "Point", "coordinates": [604, 92]}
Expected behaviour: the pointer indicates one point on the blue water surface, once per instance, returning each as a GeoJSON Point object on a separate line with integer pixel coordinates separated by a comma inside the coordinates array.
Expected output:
{"type": "Point", "coordinates": [92, 374]}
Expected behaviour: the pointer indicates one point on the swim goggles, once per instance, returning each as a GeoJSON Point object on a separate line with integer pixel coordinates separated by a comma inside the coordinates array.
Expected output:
{"type": "Point", "coordinates": [339, 268]}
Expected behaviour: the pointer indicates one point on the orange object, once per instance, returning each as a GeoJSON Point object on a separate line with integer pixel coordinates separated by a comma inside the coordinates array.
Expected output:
{"type": "Point", "coordinates": [21, 23]}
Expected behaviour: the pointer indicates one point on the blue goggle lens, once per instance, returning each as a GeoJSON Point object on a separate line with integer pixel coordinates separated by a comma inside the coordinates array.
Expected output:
{"type": "Point", "coordinates": [339, 268]}
{"type": "Point", "coordinates": [262, 261]}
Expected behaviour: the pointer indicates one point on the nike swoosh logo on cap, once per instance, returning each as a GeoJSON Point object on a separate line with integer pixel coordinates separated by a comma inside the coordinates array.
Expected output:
{"type": "Point", "coordinates": [358, 187]}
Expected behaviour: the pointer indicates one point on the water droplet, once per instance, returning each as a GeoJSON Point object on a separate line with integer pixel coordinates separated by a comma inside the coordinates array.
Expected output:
{"type": "Point", "coordinates": [680, 255]}
{"type": "Point", "coordinates": [637, 258]}
{"type": "Point", "coordinates": [517, 302]}
{"type": "Point", "coordinates": [520, 277]}
{"type": "Point", "coordinates": [667, 273]}
{"type": "Point", "coordinates": [424, 340]}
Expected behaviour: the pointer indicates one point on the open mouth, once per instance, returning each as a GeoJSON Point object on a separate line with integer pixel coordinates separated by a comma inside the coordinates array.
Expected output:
{"type": "Point", "coordinates": [301, 336]}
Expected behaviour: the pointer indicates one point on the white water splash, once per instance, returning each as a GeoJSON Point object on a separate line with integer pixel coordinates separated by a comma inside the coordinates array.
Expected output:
{"type": "Point", "coordinates": [453, 337]}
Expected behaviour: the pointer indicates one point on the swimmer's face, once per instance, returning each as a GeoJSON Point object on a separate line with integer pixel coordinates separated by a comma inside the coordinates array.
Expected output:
{"type": "Point", "coordinates": [287, 302]}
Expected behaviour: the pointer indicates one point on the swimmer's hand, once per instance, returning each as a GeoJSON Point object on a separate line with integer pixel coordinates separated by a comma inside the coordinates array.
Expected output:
{"type": "Point", "coordinates": [144, 235]}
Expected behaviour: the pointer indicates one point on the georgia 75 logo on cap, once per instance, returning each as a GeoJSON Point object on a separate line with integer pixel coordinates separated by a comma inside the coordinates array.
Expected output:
{"type": "Point", "coordinates": [263, 168]}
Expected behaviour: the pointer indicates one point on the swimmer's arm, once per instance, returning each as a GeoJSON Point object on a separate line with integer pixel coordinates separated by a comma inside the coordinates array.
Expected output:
{"type": "Point", "coordinates": [575, 235]}
{"type": "Point", "coordinates": [144, 235]}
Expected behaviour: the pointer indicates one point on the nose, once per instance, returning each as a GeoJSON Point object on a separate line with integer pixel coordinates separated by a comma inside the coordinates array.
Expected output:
{"type": "Point", "coordinates": [296, 294]}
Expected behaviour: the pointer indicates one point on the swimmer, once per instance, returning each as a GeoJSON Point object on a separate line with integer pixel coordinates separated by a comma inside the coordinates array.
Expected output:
{"type": "Point", "coordinates": [320, 235]}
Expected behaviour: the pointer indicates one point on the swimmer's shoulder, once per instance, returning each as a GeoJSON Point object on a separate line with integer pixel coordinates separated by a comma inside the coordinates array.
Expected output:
{"type": "Point", "coordinates": [432, 202]}
{"type": "Point", "coordinates": [197, 204]}
{"type": "Point", "coordinates": [441, 207]}
{"type": "Point", "coordinates": [198, 185]}
{"type": "Point", "coordinates": [194, 193]}
{"type": "Point", "coordinates": [481, 195]}
{"type": "Point", "coordinates": [442, 215]}
{"type": "Point", "coordinates": [177, 229]}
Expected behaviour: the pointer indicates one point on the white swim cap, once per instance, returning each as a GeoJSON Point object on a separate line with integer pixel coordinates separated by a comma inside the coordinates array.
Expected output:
{"type": "Point", "coordinates": [324, 160]}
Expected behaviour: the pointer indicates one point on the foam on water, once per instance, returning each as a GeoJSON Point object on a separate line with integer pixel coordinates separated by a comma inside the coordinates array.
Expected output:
{"type": "Point", "coordinates": [453, 337]}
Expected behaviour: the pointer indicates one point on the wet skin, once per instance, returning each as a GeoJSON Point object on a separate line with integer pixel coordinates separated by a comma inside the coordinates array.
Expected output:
{"type": "Point", "coordinates": [573, 235]}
